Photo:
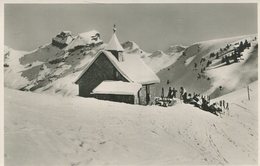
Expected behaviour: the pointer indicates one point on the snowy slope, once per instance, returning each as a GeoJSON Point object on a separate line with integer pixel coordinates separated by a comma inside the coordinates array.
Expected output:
{"type": "Point", "coordinates": [190, 70]}
{"type": "Point", "coordinates": [53, 130]}
{"type": "Point", "coordinates": [13, 68]}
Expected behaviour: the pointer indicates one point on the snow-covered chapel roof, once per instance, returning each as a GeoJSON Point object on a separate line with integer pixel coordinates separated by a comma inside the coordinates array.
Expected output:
{"type": "Point", "coordinates": [132, 68]}
{"type": "Point", "coordinates": [117, 87]}
{"type": "Point", "coordinates": [114, 44]}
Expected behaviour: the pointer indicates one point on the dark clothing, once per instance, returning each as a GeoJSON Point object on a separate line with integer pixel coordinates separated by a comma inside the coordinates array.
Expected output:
{"type": "Point", "coordinates": [162, 93]}
{"type": "Point", "coordinates": [227, 106]}
{"type": "Point", "coordinates": [174, 91]}
{"type": "Point", "coordinates": [182, 92]}
{"type": "Point", "coordinates": [184, 97]}
{"type": "Point", "coordinates": [147, 99]}
{"type": "Point", "coordinates": [204, 104]}
{"type": "Point", "coordinates": [169, 93]}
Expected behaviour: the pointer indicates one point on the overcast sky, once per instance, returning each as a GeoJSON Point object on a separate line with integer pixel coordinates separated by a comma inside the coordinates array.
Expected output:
{"type": "Point", "coordinates": [151, 26]}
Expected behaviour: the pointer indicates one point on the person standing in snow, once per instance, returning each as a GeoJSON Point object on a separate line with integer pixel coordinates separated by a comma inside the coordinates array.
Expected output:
{"type": "Point", "coordinates": [183, 94]}
{"type": "Point", "coordinates": [204, 104]}
{"type": "Point", "coordinates": [208, 98]}
{"type": "Point", "coordinates": [170, 92]}
{"type": "Point", "coordinates": [189, 98]}
{"type": "Point", "coordinates": [174, 91]}
{"type": "Point", "coordinates": [195, 101]}
{"type": "Point", "coordinates": [162, 93]}
{"type": "Point", "coordinates": [227, 107]}
{"type": "Point", "coordinates": [148, 97]}
{"type": "Point", "coordinates": [185, 97]}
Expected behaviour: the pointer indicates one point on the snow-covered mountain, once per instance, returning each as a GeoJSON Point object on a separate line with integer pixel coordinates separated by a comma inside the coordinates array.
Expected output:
{"type": "Point", "coordinates": [53, 69]}
{"type": "Point", "coordinates": [156, 60]}
{"type": "Point", "coordinates": [159, 60]}
{"type": "Point", "coordinates": [201, 67]}
{"type": "Point", "coordinates": [43, 129]}
{"type": "Point", "coordinates": [50, 68]}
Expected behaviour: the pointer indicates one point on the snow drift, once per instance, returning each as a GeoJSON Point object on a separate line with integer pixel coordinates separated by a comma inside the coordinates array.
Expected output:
{"type": "Point", "coordinates": [53, 130]}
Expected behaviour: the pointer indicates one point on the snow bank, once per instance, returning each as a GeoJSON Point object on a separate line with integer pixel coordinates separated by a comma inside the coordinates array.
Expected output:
{"type": "Point", "coordinates": [14, 80]}
{"type": "Point", "coordinates": [63, 86]}
{"type": "Point", "coordinates": [53, 130]}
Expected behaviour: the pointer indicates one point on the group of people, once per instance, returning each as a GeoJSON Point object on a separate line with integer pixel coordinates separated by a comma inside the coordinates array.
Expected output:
{"type": "Point", "coordinates": [200, 101]}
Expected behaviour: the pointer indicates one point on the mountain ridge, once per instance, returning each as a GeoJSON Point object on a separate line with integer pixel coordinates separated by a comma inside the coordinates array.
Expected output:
{"type": "Point", "coordinates": [52, 69]}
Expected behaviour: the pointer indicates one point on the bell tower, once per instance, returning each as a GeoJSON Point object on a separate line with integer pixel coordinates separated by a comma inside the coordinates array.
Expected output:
{"type": "Point", "coordinates": [115, 47]}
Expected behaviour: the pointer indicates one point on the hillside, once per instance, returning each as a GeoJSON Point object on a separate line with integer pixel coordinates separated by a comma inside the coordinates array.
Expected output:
{"type": "Point", "coordinates": [201, 69]}
{"type": "Point", "coordinates": [53, 130]}
{"type": "Point", "coordinates": [53, 68]}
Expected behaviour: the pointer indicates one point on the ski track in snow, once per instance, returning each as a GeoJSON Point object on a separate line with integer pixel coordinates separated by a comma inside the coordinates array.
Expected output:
{"type": "Point", "coordinates": [53, 130]}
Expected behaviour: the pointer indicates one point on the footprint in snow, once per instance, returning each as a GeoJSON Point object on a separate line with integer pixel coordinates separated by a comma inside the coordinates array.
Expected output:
{"type": "Point", "coordinates": [81, 144]}
{"type": "Point", "coordinates": [103, 142]}
{"type": "Point", "coordinates": [75, 163]}
{"type": "Point", "coordinates": [154, 132]}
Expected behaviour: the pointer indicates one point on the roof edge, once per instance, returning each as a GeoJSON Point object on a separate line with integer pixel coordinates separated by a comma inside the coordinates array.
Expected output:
{"type": "Point", "coordinates": [94, 59]}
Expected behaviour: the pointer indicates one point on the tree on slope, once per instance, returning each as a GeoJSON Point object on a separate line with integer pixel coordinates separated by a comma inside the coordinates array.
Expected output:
{"type": "Point", "coordinates": [234, 57]}
{"type": "Point", "coordinates": [227, 60]}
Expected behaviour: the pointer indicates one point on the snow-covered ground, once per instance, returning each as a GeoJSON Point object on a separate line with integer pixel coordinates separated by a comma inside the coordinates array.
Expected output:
{"type": "Point", "coordinates": [43, 129]}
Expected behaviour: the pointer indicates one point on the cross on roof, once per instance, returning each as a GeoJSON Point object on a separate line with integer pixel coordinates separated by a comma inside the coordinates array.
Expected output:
{"type": "Point", "coordinates": [114, 29]}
